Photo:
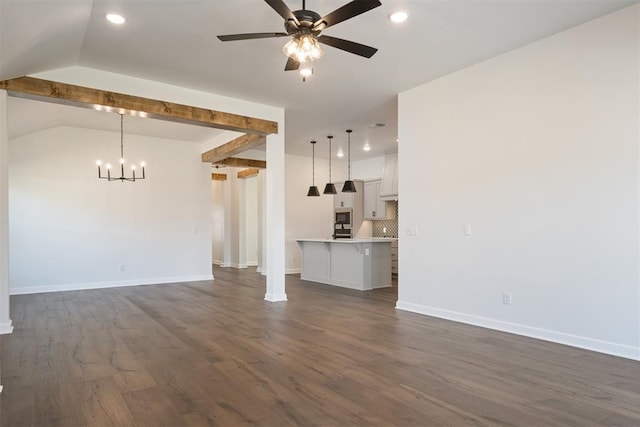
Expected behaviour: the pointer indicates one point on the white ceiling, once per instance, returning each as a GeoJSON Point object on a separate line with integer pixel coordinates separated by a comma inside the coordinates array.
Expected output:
{"type": "Point", "coordinates": [174, 41]}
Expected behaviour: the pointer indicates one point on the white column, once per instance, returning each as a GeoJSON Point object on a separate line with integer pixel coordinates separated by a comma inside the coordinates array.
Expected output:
{"type": "Point", "coordinates": [226, 197]}
{"type": "Point", "coordinates": [242, 223]}
{"type": "Point", "coordinates": [275, 217]}
{"type": "Point", "coordinates": [262, 229]}
{"type": "Point", "coordinates": [5, 321]}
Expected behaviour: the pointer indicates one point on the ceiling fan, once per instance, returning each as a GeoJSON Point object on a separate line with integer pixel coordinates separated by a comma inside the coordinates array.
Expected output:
{"type": "Point", "coordinates": [304, 26]}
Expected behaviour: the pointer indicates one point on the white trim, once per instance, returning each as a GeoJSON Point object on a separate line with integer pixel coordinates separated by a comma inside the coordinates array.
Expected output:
{"type": "Point", "coordinates": [234, 265]}
{"type": "Point", "coordinates": [218, 262]}
{"type": "Point", "coordinates": [6, 327]}
{"type": "Point", "coordinates": [275, 297]}
{"type": "Point", "coordinates": [0, 389]}
{"type": "Point", "coordinates": [293, 271]}
{"type": "Point", "coordinates": [252, 263]}
{"type": "Point", "coordinates": [101, 285]}
{"type": "Point", "coordinates": [606, 347]}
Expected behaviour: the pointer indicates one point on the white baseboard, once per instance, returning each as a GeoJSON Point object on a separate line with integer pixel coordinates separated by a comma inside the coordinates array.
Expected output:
{"type": "Point", "coordinates": [606, 347]}
{"type": "Point", "coordinates": [293, 271]}
{"type": "Point", "coordinates": [252, 263]}
{"type": "Point", "coordinates": [6, 327]}
{"type": "Point", "coordinates": [235, 265]}
{"type": "Point", "coordinates": [275, 297]}
{"type": "Point", "coordinates": [218, 262]}
{"type": "Point", "coordinates": [102, 285]}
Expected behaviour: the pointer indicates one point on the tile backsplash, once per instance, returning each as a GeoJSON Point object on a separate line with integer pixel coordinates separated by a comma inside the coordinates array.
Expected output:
{"type": "Point", "coordinates": [391, 225]}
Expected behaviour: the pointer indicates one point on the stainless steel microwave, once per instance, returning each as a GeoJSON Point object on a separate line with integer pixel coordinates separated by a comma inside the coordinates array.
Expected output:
{"type": "Point", "coordinates": [343, 216]}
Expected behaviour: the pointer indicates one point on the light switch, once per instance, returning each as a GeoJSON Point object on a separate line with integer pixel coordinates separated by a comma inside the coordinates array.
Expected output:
{"type": "Point", "coordinates": [466, 230]}
{"type": "Point", "coordinates": [412, 231]}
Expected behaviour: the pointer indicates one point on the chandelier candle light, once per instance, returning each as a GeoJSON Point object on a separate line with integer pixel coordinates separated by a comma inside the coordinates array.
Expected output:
{"type": "Point", "coordinates": [122, 177]}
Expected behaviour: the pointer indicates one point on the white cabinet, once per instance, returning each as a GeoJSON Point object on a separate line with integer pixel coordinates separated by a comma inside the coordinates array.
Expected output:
{"type": "Point", "coordinates": [343, 200]}
{"type": "Point", "coordinates": [389, 187]}
{"type": "Point", "coordinates": [374, 207]}
{"type": "Point", "coordinates": [349, 200]}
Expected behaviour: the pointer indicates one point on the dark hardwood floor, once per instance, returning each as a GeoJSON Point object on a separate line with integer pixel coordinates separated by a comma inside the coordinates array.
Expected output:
{"type": "Point", "coordinates": [215, 353]}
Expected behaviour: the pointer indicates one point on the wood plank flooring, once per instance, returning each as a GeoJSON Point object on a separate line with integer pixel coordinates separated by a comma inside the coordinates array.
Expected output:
{"type": "Point", "coordinates": [215, 353]}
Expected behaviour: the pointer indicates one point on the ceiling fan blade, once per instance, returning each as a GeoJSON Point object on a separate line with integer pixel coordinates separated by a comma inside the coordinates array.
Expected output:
{"type": "Point", "coordinates": [283, 10]}
{"type": "Point", "coordinates": [249, 36]}
{"type": "Point", "coordinates": [349, 46]}
{"type": "Point", "coordinates": [348, 11]}
{"type": "Point", "coordinates": [292, 64]}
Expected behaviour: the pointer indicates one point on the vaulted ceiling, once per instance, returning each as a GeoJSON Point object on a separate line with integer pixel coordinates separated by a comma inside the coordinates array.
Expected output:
{"type": "Point", "coordinates": [174, 41]}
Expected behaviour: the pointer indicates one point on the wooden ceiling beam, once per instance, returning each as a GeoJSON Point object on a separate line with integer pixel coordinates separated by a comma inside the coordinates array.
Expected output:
{"type": "Point", "coordinates": [218, 176]}
{"type": "Point", "coordinates": [238, 145]}
{"type": "Point", "coordinates": [237, 162]}
{"type": "Point", "coordinates": [62, 93]}
{"type": "Point", "coordinates": [248, 173]}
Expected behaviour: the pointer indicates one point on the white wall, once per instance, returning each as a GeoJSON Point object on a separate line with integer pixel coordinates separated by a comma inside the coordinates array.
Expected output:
{"type": "Point", "coordinates": [368, 168]}
{"type": "Point", "coordinates": [537, 150]}
{"type": "Point", "coordinates": [306, 217]}
{"type": "Point", "coordinates": [70, 230]}
{"type": "Point", "coordinates": [5, 321]}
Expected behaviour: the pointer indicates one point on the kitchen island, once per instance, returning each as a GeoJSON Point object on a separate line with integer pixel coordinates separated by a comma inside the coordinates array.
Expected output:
{"type": "Point", "coordinates": [362, 264]}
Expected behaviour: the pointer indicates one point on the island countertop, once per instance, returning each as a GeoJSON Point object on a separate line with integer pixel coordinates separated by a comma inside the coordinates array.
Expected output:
{"type": "Point", "coordinates": [362, 264]}
{"type": "Point", "coordinates": [352, 241]}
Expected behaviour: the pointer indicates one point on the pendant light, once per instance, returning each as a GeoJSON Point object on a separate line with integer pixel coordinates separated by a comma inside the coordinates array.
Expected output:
{"type": "Point", "coordinates": [349, 186]}
{"type": "Point", "coordinates": [313, 190]}
{"type": "Point", "coordinates": [330, 188]}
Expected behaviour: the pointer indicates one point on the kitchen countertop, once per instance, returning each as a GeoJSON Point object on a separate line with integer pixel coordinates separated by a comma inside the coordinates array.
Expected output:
{"type": "Point", "coordinates": [351, 241]}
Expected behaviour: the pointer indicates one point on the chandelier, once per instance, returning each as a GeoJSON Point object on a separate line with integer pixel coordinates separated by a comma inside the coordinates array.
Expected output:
{"type": "Point", "coordinates": [122, 177]}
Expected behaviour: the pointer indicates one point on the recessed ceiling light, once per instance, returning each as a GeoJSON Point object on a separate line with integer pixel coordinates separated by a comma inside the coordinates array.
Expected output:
{"type": "Point", "coordinates": [367, 147]}
{"type": "Point", "coordinates": [340, 154]}
{"type": "Point", "coordinates": [398, 17]}
{"type": "Point", "coordinates": [114, 18]}
{"type": "Point", "coordinates": [377, 125]}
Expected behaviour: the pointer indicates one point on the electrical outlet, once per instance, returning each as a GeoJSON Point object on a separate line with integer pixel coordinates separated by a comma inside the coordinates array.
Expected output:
{"type": "Point", "coordinates": [121, 267]}
{"type": "Point", "coordinates": [506, 298]}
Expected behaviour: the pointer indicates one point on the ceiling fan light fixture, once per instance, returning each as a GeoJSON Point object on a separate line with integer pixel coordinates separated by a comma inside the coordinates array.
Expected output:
{"type": "Point", "coordinates": [306, 69]}
{"type": "Point", "coordinates": [303, 48]}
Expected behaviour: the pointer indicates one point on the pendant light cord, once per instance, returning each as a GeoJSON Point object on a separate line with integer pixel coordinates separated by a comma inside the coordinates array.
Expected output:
{"type": "Point", "coordinates": [313, 163]}
{"type": "Point", "coordinates": [349, 157]}
{"type": "Point", "coordinates": [330, 138]}
{"type": "Point", "coordinates": [122, 145]}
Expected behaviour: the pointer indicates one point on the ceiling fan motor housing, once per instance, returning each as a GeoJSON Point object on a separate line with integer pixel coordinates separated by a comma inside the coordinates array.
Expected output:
{"type": "Point", "coordinates": [306, 18]}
